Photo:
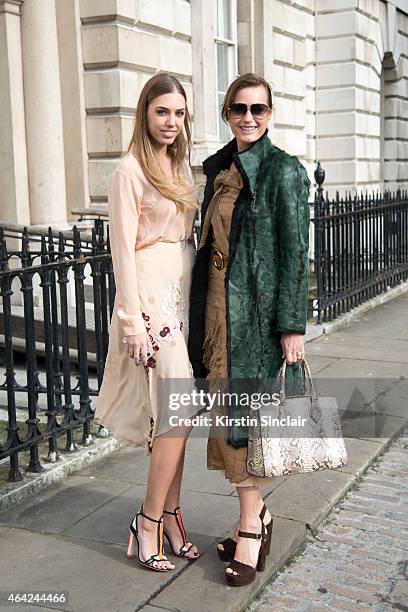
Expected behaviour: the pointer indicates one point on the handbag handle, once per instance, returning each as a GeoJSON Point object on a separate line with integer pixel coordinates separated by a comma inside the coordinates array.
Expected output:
{"type": "Point", "coordinates": [306, 380]}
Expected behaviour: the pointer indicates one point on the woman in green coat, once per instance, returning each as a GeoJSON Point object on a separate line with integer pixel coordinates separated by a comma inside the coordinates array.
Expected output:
{"type": "Point", "coordinates": [249, 294]}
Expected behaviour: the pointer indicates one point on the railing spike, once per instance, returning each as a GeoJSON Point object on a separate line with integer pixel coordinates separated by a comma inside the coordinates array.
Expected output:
{"type": "Point", "coordinates": [61, 245]}
{"type": "Point", "coordinates": [77, 242]}
{"type": "Point", "coordinates": [44, 252]}
{"type": "Point", "coordinates": [108, 240]}
{"type": "Point", "coordinates": [25, 248]}
{"type": "Point", "coordinates": [3, 251]}
{"type": "Point", "coordinates": [24, 240]}
{"type": "Point", "coordinates": [94, 242]}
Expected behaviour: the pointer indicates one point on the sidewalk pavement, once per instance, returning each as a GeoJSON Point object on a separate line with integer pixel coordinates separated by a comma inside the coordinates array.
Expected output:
{"type": "Point", "coordinates": [72, 538]}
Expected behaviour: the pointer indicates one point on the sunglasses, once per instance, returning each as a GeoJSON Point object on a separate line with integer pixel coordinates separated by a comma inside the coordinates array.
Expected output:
{"type": "Point", "coordinates": [258, 111]}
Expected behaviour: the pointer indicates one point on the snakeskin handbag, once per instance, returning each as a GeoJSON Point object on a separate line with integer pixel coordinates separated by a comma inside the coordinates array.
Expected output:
{"type": "Point", "coordinates": [298, 434]}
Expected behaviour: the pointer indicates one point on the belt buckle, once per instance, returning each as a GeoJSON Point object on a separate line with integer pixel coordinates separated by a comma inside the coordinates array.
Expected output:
{"type": "Point", "coordinates": [218, 260]}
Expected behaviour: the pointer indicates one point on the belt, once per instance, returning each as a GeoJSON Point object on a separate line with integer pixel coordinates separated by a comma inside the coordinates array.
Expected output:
{"type": "Point", "coordinates": [219, 259]}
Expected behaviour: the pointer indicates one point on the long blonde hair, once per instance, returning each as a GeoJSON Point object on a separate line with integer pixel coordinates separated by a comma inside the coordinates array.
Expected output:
{"type": "Point", "coordinates": [179, 190]}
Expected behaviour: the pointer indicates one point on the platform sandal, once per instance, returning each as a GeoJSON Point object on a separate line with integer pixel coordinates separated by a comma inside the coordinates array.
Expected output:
{"type": "Point", "coordinates": [187, 546]}
{"type": "Point", "coordinates": [230, 545]}
{"type": "Point", "coordinates": [245, 574]}
{"type": "Point", "coordinates": [134, 538]}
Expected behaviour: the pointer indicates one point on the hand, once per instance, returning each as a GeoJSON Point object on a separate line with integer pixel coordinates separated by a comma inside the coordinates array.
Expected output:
{"type": "Point", "coordinates": [293, 347]}
{"type": "Point", "coordinates": [137, 347]}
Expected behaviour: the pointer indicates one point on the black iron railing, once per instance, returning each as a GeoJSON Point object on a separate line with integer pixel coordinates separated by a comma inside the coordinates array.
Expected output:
{"type": "Point", "coordinates": [59, 268]}
{"type": "Point", "coordinates": [361, 247]}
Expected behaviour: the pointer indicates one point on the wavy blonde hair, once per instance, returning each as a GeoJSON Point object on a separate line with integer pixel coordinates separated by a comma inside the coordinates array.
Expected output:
{"type": "Point", "coordinates": [142, 146]}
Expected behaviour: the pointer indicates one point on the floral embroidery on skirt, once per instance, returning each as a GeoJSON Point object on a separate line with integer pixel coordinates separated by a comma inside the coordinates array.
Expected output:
{"type": "Point", "coordinates": [130, 403]}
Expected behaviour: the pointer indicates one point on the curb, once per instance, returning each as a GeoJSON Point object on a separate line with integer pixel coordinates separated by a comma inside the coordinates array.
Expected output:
{"type": "Point", "coordinates": [16, 492]}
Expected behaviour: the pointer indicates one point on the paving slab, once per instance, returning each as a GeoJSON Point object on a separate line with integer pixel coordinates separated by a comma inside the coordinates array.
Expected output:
{"type": "Point", "coordinates": [129, 464]}
{"type": "Point", "coordinates": [400, 389]}
{"type": "Point", "coordinates": [360, 455]}
{"type": "Point", "coordinates": [392, 405]}
{"type": "Point", "coordinates": [209, 482]}
{"type": "Point", "coordinates": [376, 327]}
{"type": "Point", "coordinates": [318, 362]}
{"type": "Point", "coordinates": [373, 426]}
{"type": "Point", "coordinates": [347, 346]}
{"type": "Point", "coordinates": [307, 498]}
{"type": "Point", "coordinates": [364, 368]}
{"type": "Point", "coordinates": [110, 522]}
{"type": "Point", "coordinates": [95, 576]}
{"type": "Point", "coordinates": [202, 585]}
{"type": "Point", "coordinates": [55, 510]}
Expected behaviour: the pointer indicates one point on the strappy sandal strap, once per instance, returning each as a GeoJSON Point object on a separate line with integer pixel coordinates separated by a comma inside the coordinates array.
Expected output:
{"type": "Point", "coordinates": [183, 550]}
{"type": "Point", "coordinates": [160, 538]}
{"type": "Point", "coordinates": [155, 558]}
{"type": "Point", "coordinates": [254, 536]}
{"type": "Point", "coordinates": [149, 518]}
{"type": "Point", "coordinates": [180, 525]}
{"type": "Point", "coordinates": [263, 512]}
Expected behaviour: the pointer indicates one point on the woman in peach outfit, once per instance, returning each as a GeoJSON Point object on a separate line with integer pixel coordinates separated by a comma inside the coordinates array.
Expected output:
{"type": "Point", "coordinates": [152, 207]}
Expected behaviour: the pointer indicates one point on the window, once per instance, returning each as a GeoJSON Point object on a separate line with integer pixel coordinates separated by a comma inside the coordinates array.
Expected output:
{"type": "Point", "coordinates": [225, 55]}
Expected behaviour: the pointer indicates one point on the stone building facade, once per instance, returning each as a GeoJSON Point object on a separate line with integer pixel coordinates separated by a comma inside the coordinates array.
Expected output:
{"type": "Point", "coordinates": [71, 72]}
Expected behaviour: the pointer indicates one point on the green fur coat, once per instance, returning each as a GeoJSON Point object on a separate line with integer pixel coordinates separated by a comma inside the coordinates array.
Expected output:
{"type": "Point", "coordinates": [267, 275]}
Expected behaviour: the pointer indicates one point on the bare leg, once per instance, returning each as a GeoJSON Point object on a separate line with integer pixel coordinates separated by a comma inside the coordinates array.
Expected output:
{"type": "Point", "coordinates": [164, 463]}
{"type": "Point", "coordinates": [250, 503]}
{"type": "Point", "coordinates": [172, 502]}
{"type": "Point", "coordinates": [173, 495]}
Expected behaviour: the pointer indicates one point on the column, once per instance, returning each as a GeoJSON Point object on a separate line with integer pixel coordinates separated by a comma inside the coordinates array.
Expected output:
{"type": "Point", "coordinates": [255, 40]}
{"type": "Point", "coordinates": [42, 97]}
{"type": "Point", "coordinates": [14, 203]}
{"type": "Point", "coordinates": [204, 80]}
{"type": "Point", "coordinates": [263, 43]}
{"type": "Point", "coordinates": [73, 104]}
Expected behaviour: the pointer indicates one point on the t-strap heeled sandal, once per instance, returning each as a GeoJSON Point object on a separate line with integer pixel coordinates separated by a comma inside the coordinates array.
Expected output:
{"type": "Point", "coordinates": [187, 546]}
{"type": "Point", "coordinates": [134, 538]}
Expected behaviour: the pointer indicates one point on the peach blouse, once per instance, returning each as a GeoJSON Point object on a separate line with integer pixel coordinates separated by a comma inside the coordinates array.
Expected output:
{"type": "Point", "coordinates": [139, 216]}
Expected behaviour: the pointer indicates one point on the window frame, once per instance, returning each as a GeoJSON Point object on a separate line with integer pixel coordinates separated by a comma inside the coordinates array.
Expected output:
{"type": "Point", "coordinates": [232, 59]}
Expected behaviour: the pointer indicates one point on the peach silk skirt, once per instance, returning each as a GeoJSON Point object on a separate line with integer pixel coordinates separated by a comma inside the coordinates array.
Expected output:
{"type": "Point", "coordinates": [133, 400]}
